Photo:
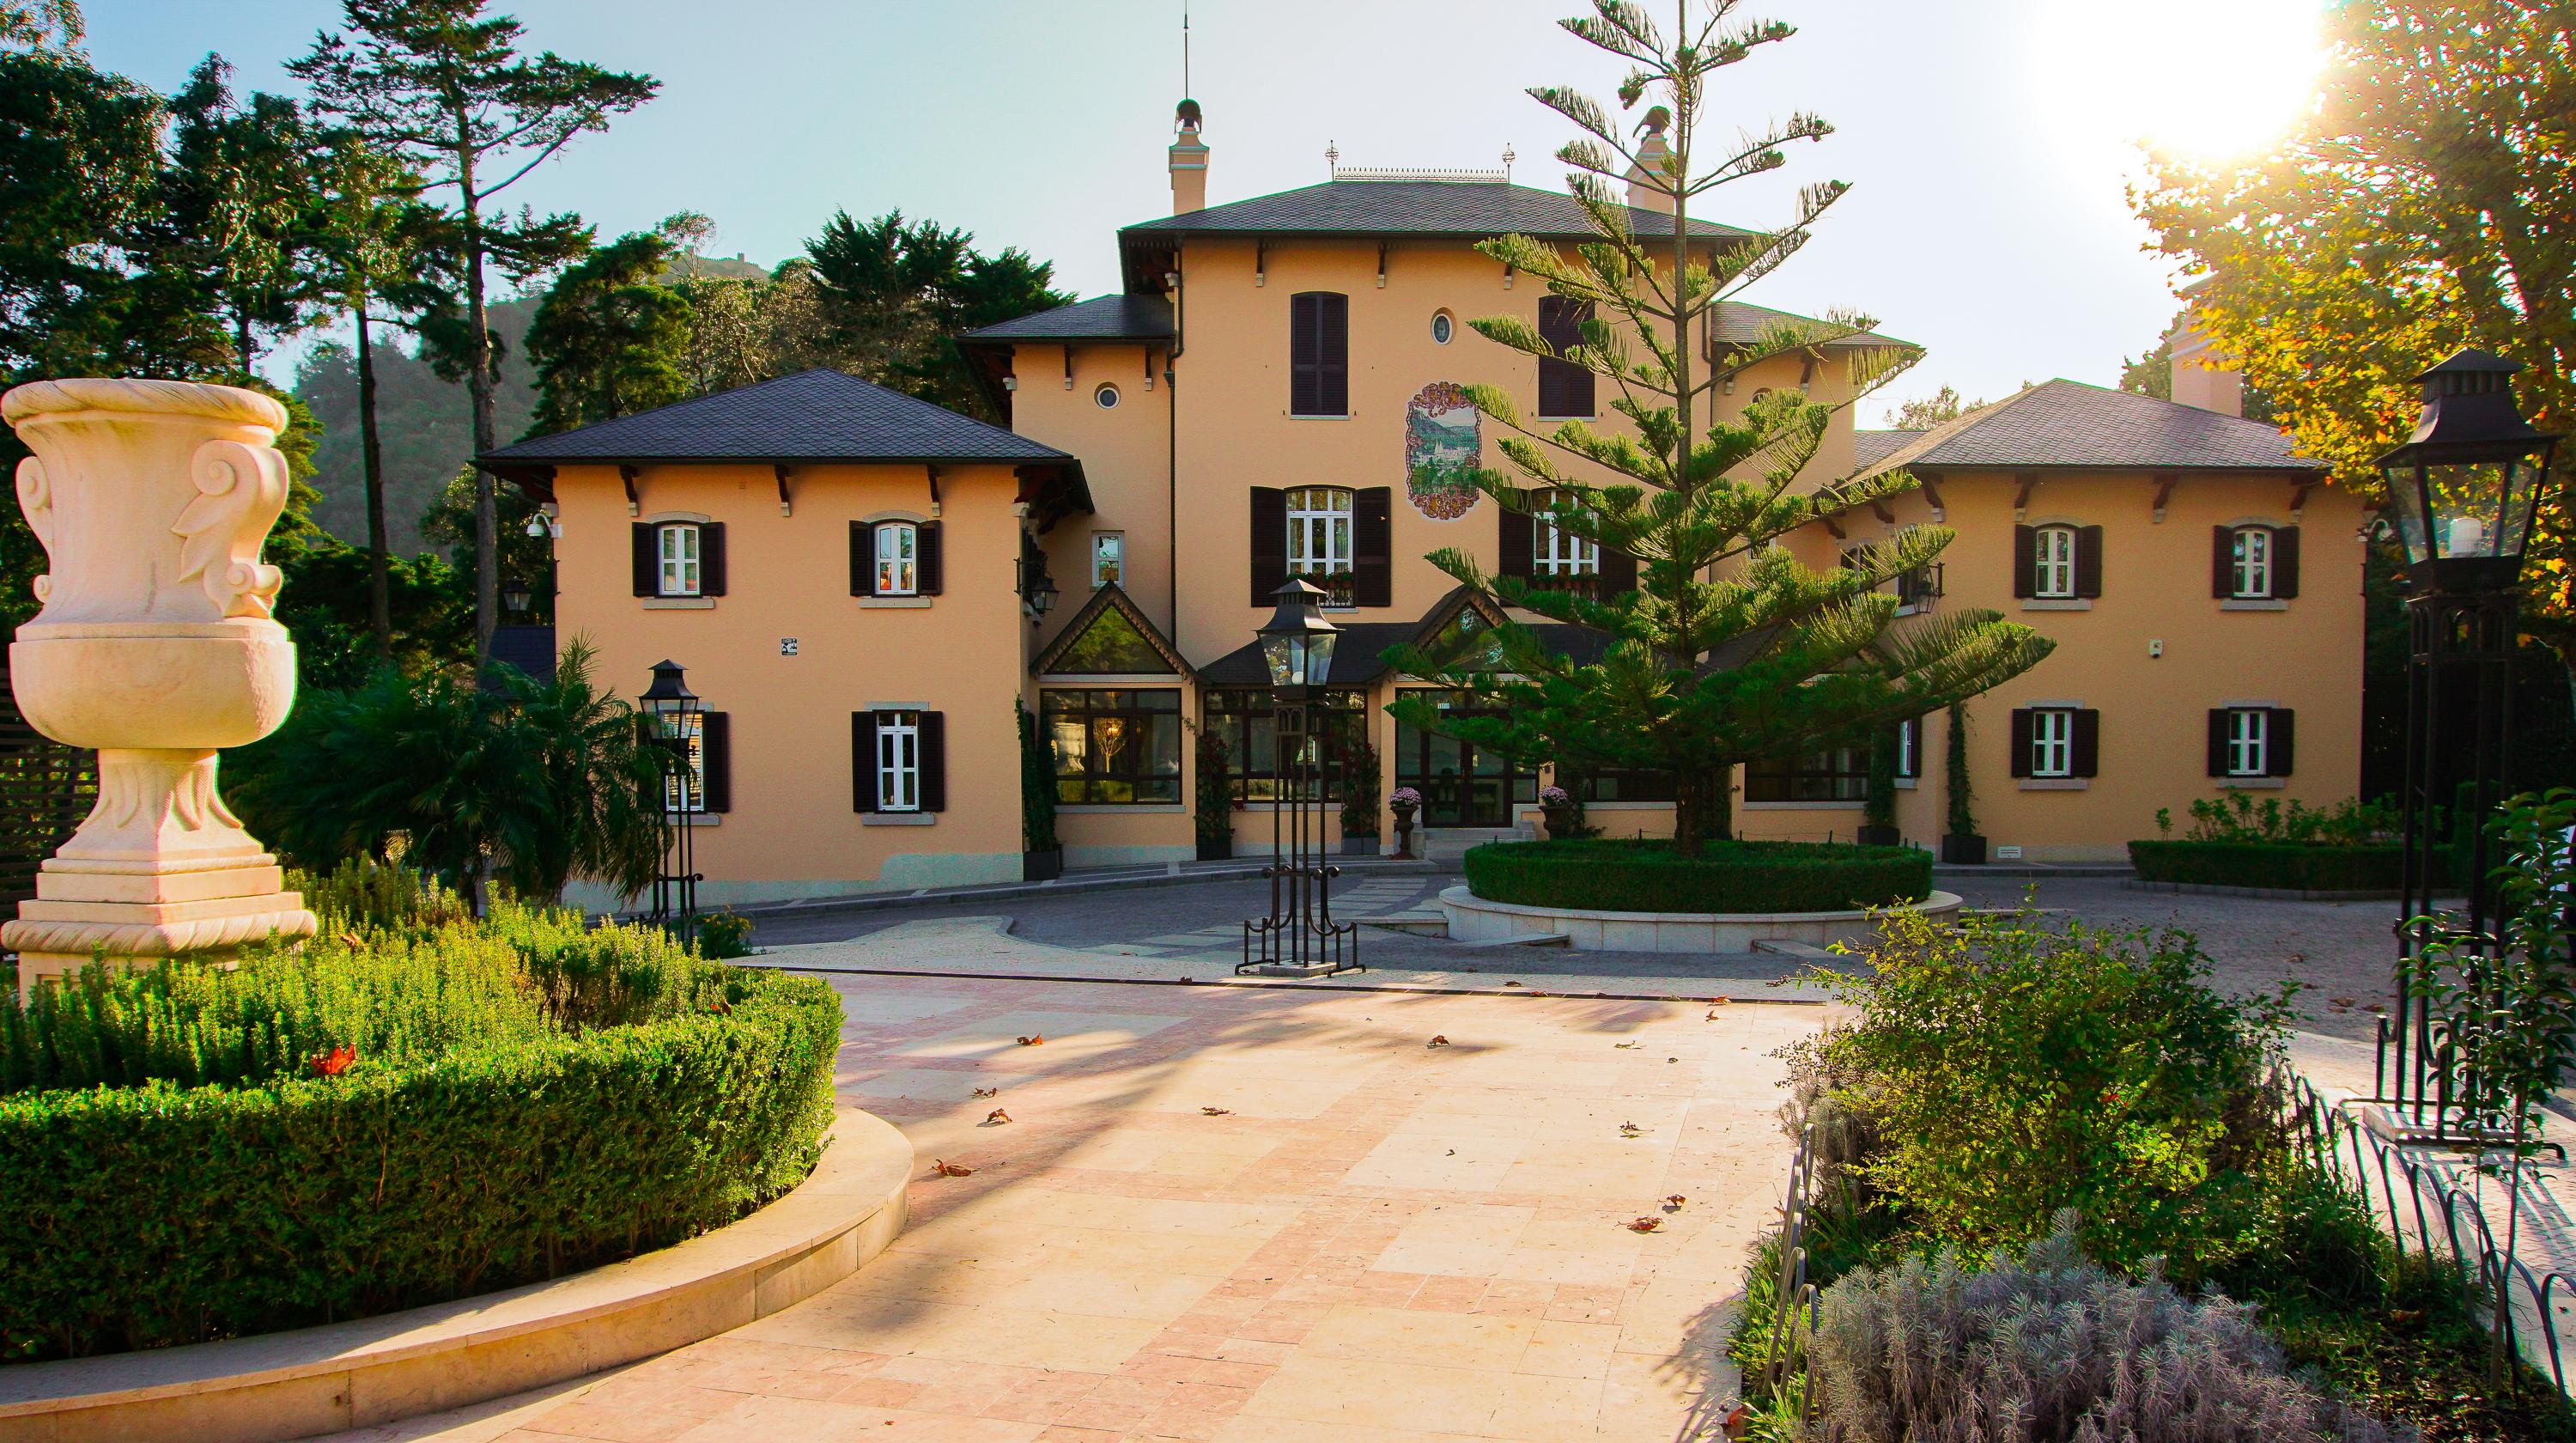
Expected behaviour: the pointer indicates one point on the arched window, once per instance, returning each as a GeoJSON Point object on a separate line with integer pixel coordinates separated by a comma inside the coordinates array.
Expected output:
{"type": "Point", "coordinates": [898, 559]}
{"type": "Point", "coordinates": [1555, 551]}
{"type": "Point", "coordinates": [1319, 538]}
{"type": "Point", "coordinates": [2053, 562]}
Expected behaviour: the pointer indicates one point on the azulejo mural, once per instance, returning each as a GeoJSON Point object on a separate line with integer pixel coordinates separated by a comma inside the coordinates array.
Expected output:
{"type": "Point", "coordinates": [1442, 446]}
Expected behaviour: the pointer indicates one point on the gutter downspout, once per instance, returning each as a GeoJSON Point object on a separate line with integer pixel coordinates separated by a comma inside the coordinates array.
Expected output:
{"type": "Point", "coordinates": [1172, 462]}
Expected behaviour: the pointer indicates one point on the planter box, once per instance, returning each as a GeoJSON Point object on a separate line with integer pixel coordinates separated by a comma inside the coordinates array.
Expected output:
{"type": "Point", "coordinates": [1043, 866]}
{"type": "Point", "coordinates": [1872, 835]}
{"type": "Point", "coordinates": [1359, 846]}
{"type": "Point", "coordinates": [1963, 850]}
{"type": "Point", "coordinates": [1215, 849]}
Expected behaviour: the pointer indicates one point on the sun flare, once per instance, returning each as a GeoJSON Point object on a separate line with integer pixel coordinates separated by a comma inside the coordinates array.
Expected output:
{"type": "Point", "coordinates": [2207, 77]}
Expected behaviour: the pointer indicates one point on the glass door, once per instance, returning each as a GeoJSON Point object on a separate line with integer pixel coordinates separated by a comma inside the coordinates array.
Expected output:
{"type": "Point", "coordinates": [1462, 785]}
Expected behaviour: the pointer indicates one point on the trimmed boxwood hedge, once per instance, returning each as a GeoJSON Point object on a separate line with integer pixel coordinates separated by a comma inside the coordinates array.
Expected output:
{"type": "Point", "coordinates": [1600, 875]}
{"type": "Point", "coordinates": [2288, 866]}
{"type": "Point", "coordinates": [135, 1217]}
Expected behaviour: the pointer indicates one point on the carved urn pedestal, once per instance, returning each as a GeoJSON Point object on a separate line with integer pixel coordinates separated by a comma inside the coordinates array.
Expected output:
{"type": "Point", "coordinates": [155, 646]}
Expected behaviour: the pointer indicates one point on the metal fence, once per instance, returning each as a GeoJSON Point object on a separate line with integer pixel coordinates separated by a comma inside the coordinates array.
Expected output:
{"type": "Point", "coordinates": [46, 788]}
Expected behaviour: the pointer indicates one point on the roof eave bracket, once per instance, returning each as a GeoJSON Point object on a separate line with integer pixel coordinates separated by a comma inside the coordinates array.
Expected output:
{"type": "Point", "coordinates": [1260, 262]}
{"type": "Point", "coordinates": [2299, 489]}
{"type": "Point", "coordinates": [2029, 481]}
{"type": "Point", "coordinates": [1931, 484]}
{"type": "Point", "coordinates": [634, 504]}
{"type": "Point", "coordinates": [932, 472]}
{"type": "Point", "coordinates": [2164, 492]}
{"type": "Point", "coordinates": [1381, 264]}
{"type": "Point", "coordinates": [782, 470]}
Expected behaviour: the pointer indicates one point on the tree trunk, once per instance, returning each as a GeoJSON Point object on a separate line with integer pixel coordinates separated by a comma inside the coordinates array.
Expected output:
{"type": "Point", "coordinates": [478, 383]}
{"type": "Point", "coordinates": [380, 616]}
{"type": "Point", "coordinates": [1703, 808]}
{"type": "Point", "coordinates": [241, 340]}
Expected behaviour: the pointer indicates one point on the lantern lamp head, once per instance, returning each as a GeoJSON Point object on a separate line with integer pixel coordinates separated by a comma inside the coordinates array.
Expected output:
{"type": "Point", "coordinates": [1297, 642]}
{"type": "Point", "coordinates": [669, 695]}
{"type": "Point", "coordinates": [2464, 491]}
{"type": "Point", "coordinates": [517, 595]}
{"type": "Point", "coordinates": [1042, 595]}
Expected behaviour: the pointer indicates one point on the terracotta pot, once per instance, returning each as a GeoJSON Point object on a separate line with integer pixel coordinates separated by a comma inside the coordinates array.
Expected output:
{"type": "Point", "coordinates": [156, 647]}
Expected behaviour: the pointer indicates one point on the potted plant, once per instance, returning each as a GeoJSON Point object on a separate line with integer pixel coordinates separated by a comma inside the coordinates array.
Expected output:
{"type": "Point", "coordinates": [1878, 806]}
{"type": "Point", "coordinates": [1215, 809]}
{"type": "Point", "coordinates": [1404, 803]}
{"type": "Point", "coordinates": [1042, 854]}
{"type": "Point", "coordinates": [1359, 798]}
{"type": "Point", "coordinates": [1563, 813]}
{"type": "Point", "coordinates": [1960, 845]}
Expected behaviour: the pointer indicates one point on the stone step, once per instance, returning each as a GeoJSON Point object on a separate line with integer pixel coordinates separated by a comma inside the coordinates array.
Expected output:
{"type": "Point", "coordinates": [1526, 939]}
{"type": "Point", "coordinates": [1784, 947]}
{"type": "Point", "coordinates": [1423, 924]}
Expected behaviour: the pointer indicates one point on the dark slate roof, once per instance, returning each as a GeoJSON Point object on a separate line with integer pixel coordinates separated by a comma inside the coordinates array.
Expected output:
{"type": "Point", "coordinates": [529, 648]}
{"type": "Point", "coordinates": [1355, 657]}
{"type": "Point", "coordinates": [2069, 425]}
{"type": "Point", "coordinates": [1103, 318]}
{"type": "Point", "coordinates": [1391, 208]}
{"type": "Point", "coordinates": [1740, 324]}
{"type": "Point", "coordinates": [818, 415]}
{"type": "Point", "coordinates": [1871, 447]}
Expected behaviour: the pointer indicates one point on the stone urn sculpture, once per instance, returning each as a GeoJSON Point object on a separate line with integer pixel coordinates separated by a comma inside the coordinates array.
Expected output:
{"type": "Point", "coordinates": [156, 647]}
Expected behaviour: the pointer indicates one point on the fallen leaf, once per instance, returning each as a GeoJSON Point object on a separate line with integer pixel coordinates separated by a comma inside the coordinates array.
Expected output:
{"type": "Point", "coordinates": [1038, 1041]}
{"type": "Point", "coordinates": [1630, 1129]}
{"type": "Point", "coordinates": [1736, 1419]}
{"type": "Point", "coordinates": [996, 1115]}
{"type": "Point", "coordinates": [1672, 1059]}
{"type": "Point", "coordinates": [1645, 1225]}
{"type": "Point", "coordinates": [1624, 1044]}
{"type": "Point", "coordinates": [1437, 1040]}
{"type": "Point", "coordinates": [1676, 1200]}
{"type": "Point", "coordinates": [944, 1168]}
{"type": "Point", "coordinates": [2344, 1001]}
{"type": "Point", "coordinates": [1218, 1111]}
{"type": "Point", "coordinates": [988, 1092]}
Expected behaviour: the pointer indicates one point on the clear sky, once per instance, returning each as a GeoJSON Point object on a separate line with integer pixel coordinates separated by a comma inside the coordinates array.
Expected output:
{"type": "Point", "coordinates": [1988, 141]}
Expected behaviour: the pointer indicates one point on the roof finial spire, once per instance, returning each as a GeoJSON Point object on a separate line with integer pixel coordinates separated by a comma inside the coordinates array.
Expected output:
{"type": "Point", "coordinates": [1332, 160]}
{"type": "Point", "coordinates": [1185, 47]}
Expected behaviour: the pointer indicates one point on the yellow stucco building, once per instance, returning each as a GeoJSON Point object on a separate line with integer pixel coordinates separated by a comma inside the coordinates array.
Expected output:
{"type": "Point", "coordinates": [850, 575]}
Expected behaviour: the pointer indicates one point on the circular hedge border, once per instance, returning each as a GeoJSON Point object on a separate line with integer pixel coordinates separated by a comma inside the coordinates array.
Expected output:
{"type": "Point", "coordinates": [147, 1216]}
{"type": "Point", "coordinates": [1597, 875]}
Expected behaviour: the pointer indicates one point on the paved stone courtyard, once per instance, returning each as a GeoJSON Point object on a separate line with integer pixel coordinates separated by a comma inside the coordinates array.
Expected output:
{"type": "Point", "coordinates": [1288, 1212]}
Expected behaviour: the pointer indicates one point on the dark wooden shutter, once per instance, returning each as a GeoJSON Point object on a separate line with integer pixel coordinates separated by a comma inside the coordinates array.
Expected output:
{"type": "Point", "coordinates": [1618, 571]}
{"type": "Point", "coordinates": [2278, 743]}
{"type": "Point", "coordinates": [2222, 564]}
{"type": "Point", "coordinates": [2285, 565]}
{"type": "Point", "coordinates": [648, 559]}
{"type": "Point", "coordinates": [715, 757]}
{"type": "Point", "coordinates": [1269, 544]}
{"type": "Point", "coordinates": [2021, 736]}
{"type": "Point", "coordinates": [2025, 561]}
{"type": "Point", "coordinates": [1564, 389]}
{"type": "Point", "coordinates": [2218, 717]}
{"type": "Point", "coordinates": [2087, 750]}
{"type": "Point", "coordinates": [863, 761]}
{"type": "Point", "coordinates": [932, 757]}
{"type": "Point", "coordinates": [1304, 392]}
{"type": "Point", "coordinates": [1519, 538]}
{"type": "Point", "coordinates": [863, 559]}
{"type": "Point", "coordinates": [1373, 546]}
{"type": "Point", "coordinates": [711, 559]}
{"type": "Point", "coordinates": [1333, 336]}
{"type": "Point", "coordinates": [925, 558]}
{"type": "Point", "coordinates": [2088, 563]}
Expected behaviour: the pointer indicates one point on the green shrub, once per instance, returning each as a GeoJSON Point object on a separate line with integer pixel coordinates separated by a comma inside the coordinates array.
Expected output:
{"type": "Point", "coordinates": [2009, 1071]}
{"type": "Point", "coordinates": [723, 935]}
{"type": "Point", "coordinates": [2238, 817]}
{"type": "Point", "coordinates": [365, 893]}
{"type": "Point", "coordinates": [1633, 876]}
{"type": "Point", "coordinates": [2290, 866]}
{"type": "Point", "coordinates": [2053, 1347]}
{"type": "Point", "coordinates": [383, 1121]}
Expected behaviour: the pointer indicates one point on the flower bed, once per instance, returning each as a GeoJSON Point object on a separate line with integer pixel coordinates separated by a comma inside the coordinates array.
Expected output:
{"type": "Point", "coordinates": [1726, 877]}
{"type": "Point", "coordinates": [2288, 866]}
{"type": "Point", "coordinates": [386, 1119]}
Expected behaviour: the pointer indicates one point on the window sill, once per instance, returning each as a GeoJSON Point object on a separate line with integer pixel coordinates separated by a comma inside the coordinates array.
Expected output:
{"type": "Point", "coordinates": [897, 819]}
{"type": "Point", "coordinates": [679, 603]}
{"type": "Point", "coordinates": [698, 819]}
{"type": "Point", "coordinates": [1802, 806]}
{"type": "Point", "coordinates": [1111, 809]}
{"type": "Point", "coordinates": [2253, 784]}
{"type": "Point", "coordinates": [1318, 415]}
{"type": "Point", "coordinates": [1593, 416]}
{"type": "Point", "coordinates": [2253, 603]}
{"type": "Point", "coordinates": [894, 603]}
{"type": "Point", "coordinates": [1907, 784]}
{"type": "Point", "coordinates": [2056, 784]}
{"type": "Point", "coordinates": [2057, 603]}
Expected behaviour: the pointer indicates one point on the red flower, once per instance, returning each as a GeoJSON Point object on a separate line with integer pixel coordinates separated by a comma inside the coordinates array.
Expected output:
{"type": "Point", "coordinates": [335, 1061]}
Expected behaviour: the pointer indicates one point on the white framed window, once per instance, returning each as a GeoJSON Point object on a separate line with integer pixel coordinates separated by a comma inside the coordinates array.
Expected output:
{"type": "Point", "coordinates": [2249, 742]}
{"type": "Point", "coordinates": [898, 761]}
{"type": "Point", "coordinates": [2252, 576]}
{"type": "Point", "coordinates": [2053, 562]}
{"type": "Point", "coordinates": [1558, 552]}
{"type": "Point", "coordinates": [677, 548]}
{"type": "Point", "coordinates": [1319, 538]}
{"type": "Point", "coordinates": [1909, 739]}
{"type": "Point", "coordinates": [685, 790]}
{"type": "Point", "coordinates": [1108, 558]}
{"type": "Point", "coordinates": [898, 553]}
{"type": "Point", "coordinates": [2052, 743]}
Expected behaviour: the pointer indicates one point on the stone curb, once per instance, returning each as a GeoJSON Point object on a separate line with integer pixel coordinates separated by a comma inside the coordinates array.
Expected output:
{"type": "Point", "coordinates": [1060, 887]}
{"type": "Point", "coordinates": [2273, 894]}
{"type": "Point", "coordinates": [425, 1360]}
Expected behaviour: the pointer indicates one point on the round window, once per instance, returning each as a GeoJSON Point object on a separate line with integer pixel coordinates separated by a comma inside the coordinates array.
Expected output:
{"type": "Point", "coordinates": [1442, 328]}
{"type": "Point", "coordinates": [1106, 397]}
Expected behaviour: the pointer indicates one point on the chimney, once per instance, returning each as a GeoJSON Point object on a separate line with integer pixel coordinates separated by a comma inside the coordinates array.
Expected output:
{"type": "Point", "coordinates": [2203, 375]}
{"type": "Point", "coordinates": [1651, 153]}
{"type": "Point", "coordinates": [1189, 161]}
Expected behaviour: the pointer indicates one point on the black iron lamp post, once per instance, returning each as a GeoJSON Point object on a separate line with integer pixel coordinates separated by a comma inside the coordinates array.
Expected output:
{"type": "Point", "coordinates": [517, 595]}
{"type": "Point", "coordinates": [676, 718]}
{"type": "Point", "coordinates": [1299, 938]}
{"type": "Point", "coordinates": [2463, 496]}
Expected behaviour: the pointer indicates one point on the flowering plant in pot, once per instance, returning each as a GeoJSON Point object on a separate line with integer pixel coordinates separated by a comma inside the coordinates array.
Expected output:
{"type": "Point", "coordinates": [1404, 802]}
{"type": "Point", "coordinates": [1564, 814]}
